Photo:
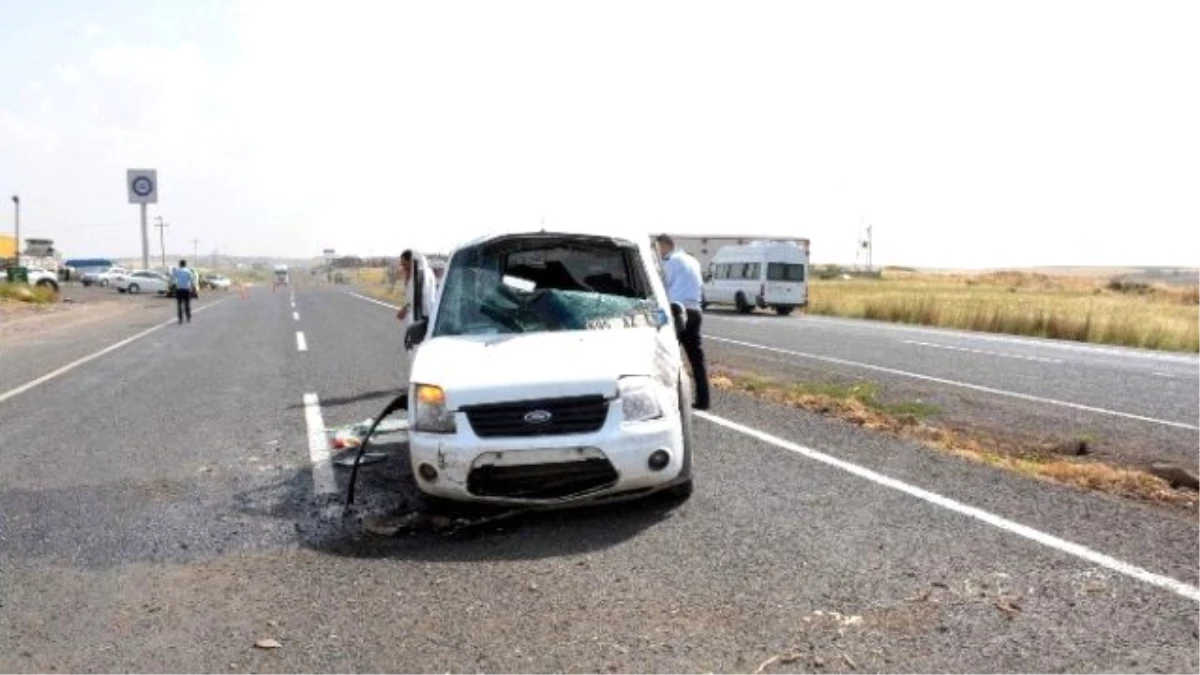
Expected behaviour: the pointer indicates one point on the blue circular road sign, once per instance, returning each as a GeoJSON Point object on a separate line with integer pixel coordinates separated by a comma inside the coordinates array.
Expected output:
{"type": "Point", "coordinates": [142, 186]}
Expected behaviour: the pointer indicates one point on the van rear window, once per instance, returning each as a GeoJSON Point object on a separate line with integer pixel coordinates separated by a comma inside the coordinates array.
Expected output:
{"type": "Point", "coordinates": [785, 272]}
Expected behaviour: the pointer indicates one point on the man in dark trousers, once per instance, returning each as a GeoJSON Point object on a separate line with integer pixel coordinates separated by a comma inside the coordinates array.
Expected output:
{"type": "Point", "coordinates": [684, 281]}
{"type": "Point", "coordinates": [185, 290]}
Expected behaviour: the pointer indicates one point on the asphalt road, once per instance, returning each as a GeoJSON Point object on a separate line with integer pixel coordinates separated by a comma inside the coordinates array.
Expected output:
{"type": "Point", "coordinates": [1136, 406]}
{"type": "Point", "coordinates": [160, 510]}
{"type": "Point", "coordinates": [1160, 388]}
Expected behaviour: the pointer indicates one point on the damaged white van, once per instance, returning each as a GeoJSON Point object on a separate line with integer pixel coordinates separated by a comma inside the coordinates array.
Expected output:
{"type": "Point", "coordinates": [550, 374]}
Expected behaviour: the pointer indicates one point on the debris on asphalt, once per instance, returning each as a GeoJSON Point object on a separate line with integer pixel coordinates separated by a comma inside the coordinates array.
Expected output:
{"type": "Point", "coordinates": [389, 525]}
{"type": "Point", "coordinates": [849, 662]}
{"type": "Point", "coordinates": [778, 658]}
{"type": "Point", "coordinates": [373, 457]}
{"type": "Point", "coordinates": [1007, 606]}
{"type": "Point", "coordinates": [923, 596]}
{"type": "Point", "coordinates": [392, 524]}
{"type": "Point", "coordinates": [268, 643]}
{"type": "Point", "coordinates": [1176, 476]}
{"type": "Point", "coordinates": [352, 435]}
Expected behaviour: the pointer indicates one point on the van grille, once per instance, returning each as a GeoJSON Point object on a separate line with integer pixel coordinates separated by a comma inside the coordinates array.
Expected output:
{"type": "Point", "coordinates": [574, 415]}
{"type": "Point", "coordinates": [542, 481]}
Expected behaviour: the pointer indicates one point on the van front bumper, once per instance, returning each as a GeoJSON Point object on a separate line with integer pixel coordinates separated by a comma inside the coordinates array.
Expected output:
{"type": "Point", "coordinates": [610, 464]}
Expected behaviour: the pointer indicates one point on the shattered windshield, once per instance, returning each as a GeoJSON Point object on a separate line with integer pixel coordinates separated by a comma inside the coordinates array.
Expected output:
{"type": "Point", "coordinates": [545, 284]}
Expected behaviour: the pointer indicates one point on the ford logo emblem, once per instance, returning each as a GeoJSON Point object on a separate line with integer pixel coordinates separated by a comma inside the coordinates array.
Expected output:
{"type": "Point", "coordinates": [538, 416]}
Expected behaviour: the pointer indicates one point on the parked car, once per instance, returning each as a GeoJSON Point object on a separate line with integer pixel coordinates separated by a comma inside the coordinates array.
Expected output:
{"type": "Point", "coordinates": [550, 374]}
{"type": "Point", "coordinates": [144, 281]}
{"type": "Point", "coordinates": [214, 281]}
{"type": "Point", "coordinates": [103, 277]}
{"type": "Point", "coordinates": [42, 278]}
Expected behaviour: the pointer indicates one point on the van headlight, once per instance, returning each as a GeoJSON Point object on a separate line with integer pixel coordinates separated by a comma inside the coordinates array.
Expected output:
{"type": "Point", "coordinates": [430, 414]}
{"type": "Point", "coordinates": [639, 399]}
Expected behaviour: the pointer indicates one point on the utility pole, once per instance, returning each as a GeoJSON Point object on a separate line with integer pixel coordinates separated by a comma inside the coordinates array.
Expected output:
{"type": "Point", "coordinates": [17, 227]}
{"type": "Point", "coordinates": [195, 251]}
{"type": "Point", "coordinates": [162, 241]}
{"type": "Point", "coordinates": [870, 249]}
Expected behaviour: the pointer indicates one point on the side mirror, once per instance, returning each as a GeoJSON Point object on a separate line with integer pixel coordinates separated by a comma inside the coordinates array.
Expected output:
{"type": "Point", "coordinates": [416, 333]}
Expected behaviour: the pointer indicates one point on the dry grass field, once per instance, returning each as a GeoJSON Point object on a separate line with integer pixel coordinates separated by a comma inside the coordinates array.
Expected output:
{"type": "Point", "coordinates": [1098, 309]}
{"type": "Point", "coordinates": [372, 281]}
{"type": "Point", "coordinates": [26, 293]}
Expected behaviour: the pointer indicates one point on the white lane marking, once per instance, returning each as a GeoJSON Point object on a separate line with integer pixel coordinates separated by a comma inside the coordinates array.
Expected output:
{"type": "Point", "coordinates": [1095, 557]}
{"type": "Point", "coordinates": [301, 344]}
{"type": "Point", "coordinates": [954, 383]}
{"type": "Point", "coordinates": [295, 316]}
{"type": "Point", "coordinates": [318, 447]}
{"type": "Point", "coordinates": [79, 362]}
{"type": "Point", "coordinates": [377, 302]}
{"type": "Point", "coordinates": [1124, 352]}
{"type": "Point", "coordinates": [1166, 375]}
{"type": "Point", "coordinates": [983, 352]}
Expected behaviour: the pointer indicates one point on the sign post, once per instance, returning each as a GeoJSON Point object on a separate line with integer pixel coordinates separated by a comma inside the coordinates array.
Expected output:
{"type": "Point", "coordinates": [143, 189]}
{"type": "Point", "coordinates": [17, 230]}
{"type": "Point", "coordinates": [328, 253]}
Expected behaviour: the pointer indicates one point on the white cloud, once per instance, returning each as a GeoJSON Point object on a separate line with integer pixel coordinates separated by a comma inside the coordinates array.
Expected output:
{"type": "Point", "coordinates": [92, 31]}
{"type": "Point", "coordinates": [68, 75]}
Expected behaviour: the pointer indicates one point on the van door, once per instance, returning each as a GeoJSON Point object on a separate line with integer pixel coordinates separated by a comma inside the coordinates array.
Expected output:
{"type": "Point", "coordinates": [748, 282]}
{"type": "Point", "coordinates": [786, 284]}
{"type": "Point", "coordinates": [716, 288]}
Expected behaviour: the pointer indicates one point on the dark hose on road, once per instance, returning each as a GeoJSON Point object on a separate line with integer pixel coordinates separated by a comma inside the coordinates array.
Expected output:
{"type": "Point", "coordinates": [398, 403]}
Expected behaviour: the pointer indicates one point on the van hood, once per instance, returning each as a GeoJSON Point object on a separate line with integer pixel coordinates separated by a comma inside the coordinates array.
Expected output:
{"type": "Point", "coordinates": [480, 369]}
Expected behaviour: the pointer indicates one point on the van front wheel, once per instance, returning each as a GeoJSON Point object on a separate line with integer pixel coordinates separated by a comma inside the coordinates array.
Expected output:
{"type": "Point", "coordinates": [743, 307]}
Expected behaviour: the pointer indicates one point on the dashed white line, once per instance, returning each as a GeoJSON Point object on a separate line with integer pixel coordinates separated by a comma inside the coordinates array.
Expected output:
{"type": "Point", "coordinates": [984, 352]}
{"type": "Point", "coordinates": [79, 362]}
{"type": "Point", "coordinates": [318, 447]}
{"type": "Point", "coordinates": [295, 316]}
{"type": "Point", "coordinates": [301, 344]}
{"type": "Point", "coordinates": [1095, 557]}
{"type": "Point", "coordinates": [955, 383]}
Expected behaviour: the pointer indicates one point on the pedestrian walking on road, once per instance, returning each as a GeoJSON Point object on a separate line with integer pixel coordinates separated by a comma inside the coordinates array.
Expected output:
{"type": "Point", "coordinates": [684, 281]}
{"type": "Point", "coordinates": [185, 290]}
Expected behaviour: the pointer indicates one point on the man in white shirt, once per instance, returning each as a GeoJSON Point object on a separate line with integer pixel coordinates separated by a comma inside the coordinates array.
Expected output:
{"type": "Point", "coordinates": [420, 289]}
{"type": "Point", "coordinates": [684, 281]}
{"type": "Point", "coordinates": [185, 289]}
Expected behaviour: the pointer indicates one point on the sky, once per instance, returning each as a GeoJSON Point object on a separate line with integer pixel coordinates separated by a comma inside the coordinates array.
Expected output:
{"type": "Point", "coordinates": [966, 134]}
